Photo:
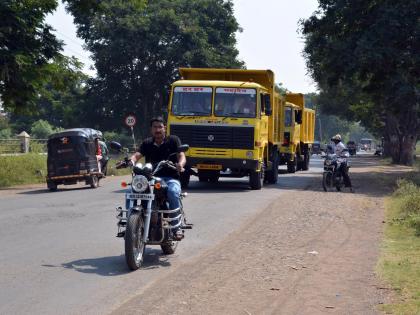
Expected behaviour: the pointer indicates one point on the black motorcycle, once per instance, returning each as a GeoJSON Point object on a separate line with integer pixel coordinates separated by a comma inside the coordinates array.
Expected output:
{"type": "Point", "coordinates": [332, 176]}
{"type": "Point", "coordinates": [146, 219]}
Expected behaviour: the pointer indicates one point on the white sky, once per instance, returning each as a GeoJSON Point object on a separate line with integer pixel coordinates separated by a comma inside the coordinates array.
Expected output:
{"type": "Point", "coordinates": [269, 39]}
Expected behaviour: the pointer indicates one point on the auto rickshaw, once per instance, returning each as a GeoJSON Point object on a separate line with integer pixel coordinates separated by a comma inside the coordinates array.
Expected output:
{"type": "Point", "coordinates": [72, 157]}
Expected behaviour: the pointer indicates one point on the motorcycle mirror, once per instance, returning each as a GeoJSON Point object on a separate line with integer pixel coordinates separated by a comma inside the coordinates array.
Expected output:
{"type": "Point", "coordinates": [115, 145]}
{"type": "Point", "coordinates": [183, 148]}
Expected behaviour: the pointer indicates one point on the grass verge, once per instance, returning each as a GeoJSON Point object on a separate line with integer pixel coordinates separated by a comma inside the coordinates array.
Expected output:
{"type": "Point", "coordinates": [399, 264]}
{"type": "Point", "coordinates": [22, 169]}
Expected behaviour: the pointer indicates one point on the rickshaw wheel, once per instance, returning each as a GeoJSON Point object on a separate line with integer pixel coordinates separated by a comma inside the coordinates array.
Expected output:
{"type": "Point", "coordinates": [94, 181]}
{"type": "Point", "coordinates": [52, 186]}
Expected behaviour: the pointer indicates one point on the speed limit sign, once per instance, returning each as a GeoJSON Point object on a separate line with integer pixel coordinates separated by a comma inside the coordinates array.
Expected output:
{"type": "Point", "coordinates": [130, 120]}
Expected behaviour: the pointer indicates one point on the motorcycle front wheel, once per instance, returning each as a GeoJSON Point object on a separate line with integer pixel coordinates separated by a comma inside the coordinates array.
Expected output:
{"type": "Point", "coordinates": [134, 245]}
{"type": "Point", "coordinates": [326, 181]}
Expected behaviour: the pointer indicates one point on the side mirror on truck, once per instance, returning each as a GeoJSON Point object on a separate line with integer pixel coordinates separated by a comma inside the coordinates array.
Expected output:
{"type": "Point", "coordinates": [267, 105]}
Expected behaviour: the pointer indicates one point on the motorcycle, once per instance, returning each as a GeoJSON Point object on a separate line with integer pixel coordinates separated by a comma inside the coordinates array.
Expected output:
{"type": "Point", "coordinates": [147, 219]}
{"type": "Point", "coordinates": [331, 176]}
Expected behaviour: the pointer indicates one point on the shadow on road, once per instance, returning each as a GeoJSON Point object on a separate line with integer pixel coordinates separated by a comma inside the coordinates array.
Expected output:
{"type": "Point", "coordinates": [47, 191]}
{"type": "Point", "coordinates": [115, 265]}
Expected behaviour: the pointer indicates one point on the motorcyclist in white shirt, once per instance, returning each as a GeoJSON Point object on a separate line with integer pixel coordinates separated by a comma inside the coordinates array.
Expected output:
{"type": "Point", "coordinates": [338, 149]}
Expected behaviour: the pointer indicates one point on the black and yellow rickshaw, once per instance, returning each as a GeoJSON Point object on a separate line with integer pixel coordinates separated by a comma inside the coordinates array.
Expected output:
{"type": "Point", "coordinates": [72, 157]}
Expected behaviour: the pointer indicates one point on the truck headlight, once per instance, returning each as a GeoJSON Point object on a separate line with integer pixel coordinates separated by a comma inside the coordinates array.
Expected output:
{"type": "Point", "coordinates": [139, 183]}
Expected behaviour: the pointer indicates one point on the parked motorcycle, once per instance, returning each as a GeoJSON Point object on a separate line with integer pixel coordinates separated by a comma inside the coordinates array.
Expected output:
{"type": "Point", "coordinates": [146, 219]}
{"type": "Point", "coordinates": [331, 176]}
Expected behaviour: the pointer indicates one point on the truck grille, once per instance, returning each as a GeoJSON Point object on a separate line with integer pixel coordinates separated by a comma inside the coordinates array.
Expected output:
{"type": "Point", "coordinates": [215, 136]}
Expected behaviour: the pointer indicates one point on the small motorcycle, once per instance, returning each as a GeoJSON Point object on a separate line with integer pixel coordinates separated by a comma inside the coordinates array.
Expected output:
{"type": "Point", "coordinates": [147, 219]}
{"type": "Point", "coordinates": [331, 176]}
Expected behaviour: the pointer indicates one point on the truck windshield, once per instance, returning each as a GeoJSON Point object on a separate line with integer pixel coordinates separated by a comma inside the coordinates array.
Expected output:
{"type": "Point", "coordinates": [235, 102]}
{"type": "Point", "coordinates": [288, 116]}
{"type": "Point", "coordinates": [191, 101]}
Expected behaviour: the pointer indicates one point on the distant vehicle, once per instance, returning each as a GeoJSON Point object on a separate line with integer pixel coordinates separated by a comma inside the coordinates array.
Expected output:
{"type": "Point", "coordinates": [352, 147]}
{"type": "Point", "coordinates": [316, 147]}
{"type": "Point", "coordinates": [72, 157]}
{"type": "Point", "coordinates": [366, 144]}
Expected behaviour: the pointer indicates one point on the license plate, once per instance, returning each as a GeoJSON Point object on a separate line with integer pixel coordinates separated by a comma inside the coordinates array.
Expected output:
{"type": "Point", "coordinates": [140, 196]}
{"type": "Point", "coordinates": [209, 167]}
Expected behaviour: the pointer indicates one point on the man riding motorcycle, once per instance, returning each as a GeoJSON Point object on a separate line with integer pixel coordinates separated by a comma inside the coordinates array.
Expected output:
{"type": "Point", "coordinates": [338, 149]}
{"type": "Point", "coordinates": [158, 148]}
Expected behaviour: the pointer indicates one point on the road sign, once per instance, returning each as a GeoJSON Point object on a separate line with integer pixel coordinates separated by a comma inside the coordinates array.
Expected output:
{"type": "Point", "coordinates": [130, 120]}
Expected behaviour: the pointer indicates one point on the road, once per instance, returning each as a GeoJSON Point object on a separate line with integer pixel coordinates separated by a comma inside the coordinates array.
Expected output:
{"type": "Point", "coordinates": [59, 253]}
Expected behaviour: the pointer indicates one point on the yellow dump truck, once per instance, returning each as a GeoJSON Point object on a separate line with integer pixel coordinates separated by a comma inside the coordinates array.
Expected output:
{"type": "Point", "coordinates": [231, 118]}
{"type": "Point", "coordinates": [298, 130]}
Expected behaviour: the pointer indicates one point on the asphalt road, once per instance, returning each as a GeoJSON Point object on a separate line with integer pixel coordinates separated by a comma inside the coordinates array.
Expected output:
{"type": "Point", "coordinates": [59, 253]}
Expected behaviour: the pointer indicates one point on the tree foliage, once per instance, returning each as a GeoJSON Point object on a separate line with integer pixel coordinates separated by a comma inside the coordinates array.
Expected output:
{"type": "Point", "coordinates": [364, 56]}
{"type": "Point", "coordinates": [26, 47]}
{"type": "Point", "coordinates": [138, 45]}
{"type": "Point", "coordinates": [60, 99]}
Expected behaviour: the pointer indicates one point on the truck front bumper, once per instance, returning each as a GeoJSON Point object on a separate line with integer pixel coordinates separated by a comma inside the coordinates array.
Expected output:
{"type": "Point", "coordinates": [233, 164]}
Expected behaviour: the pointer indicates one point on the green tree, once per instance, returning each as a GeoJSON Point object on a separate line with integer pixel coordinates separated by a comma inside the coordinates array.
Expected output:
{"type": "Point", "coordinates": [41, 129]}
{"type": "Point", "coordinates": [26, 47]}
{"type": "Point", "coordinates": [138, 45]}
{"type": "Point", "coordinates": [61, 98]}
{"type": "Point", "coordinates": [364, 55]}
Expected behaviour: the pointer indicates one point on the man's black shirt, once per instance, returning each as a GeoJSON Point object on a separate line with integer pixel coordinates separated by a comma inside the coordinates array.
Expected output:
{"type": "Point", "coordinates": [154, 153]}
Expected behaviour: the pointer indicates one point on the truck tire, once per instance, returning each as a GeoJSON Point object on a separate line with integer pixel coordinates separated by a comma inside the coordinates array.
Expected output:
{"type": "Point", "coordinates": [256, 179]}
{"type": "Point", "coordinates": [292, 166]}
{"type": "Point", "coordinates": [306, 159]}
{"type": "Point", "coordinates": [273, 174]}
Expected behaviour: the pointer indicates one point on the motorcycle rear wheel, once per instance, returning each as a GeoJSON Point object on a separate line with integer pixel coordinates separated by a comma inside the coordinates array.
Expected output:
{"type": "Point", "coordinates": [134, 245]}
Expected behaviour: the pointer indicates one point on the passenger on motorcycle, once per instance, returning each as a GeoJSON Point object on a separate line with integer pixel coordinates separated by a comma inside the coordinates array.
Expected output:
{"type": "Point", "coordinates": [158, 148]}
{"type": "Point", "coordinates": [338, 150]}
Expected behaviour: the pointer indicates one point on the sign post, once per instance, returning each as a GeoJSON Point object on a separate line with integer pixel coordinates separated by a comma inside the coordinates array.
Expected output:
{"type": "Point", "coordinates": [130, 121]}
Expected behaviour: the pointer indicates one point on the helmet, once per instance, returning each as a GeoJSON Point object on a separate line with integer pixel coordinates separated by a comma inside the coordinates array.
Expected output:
{"type": "Point", "coordinates": [336, 137]}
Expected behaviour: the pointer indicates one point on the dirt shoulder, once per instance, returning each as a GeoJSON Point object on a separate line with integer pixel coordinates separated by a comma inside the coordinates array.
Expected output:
{"type": "Point", "coordinates": [309, 253]}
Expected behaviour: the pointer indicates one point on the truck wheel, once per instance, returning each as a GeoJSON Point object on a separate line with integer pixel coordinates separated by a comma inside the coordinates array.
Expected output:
{"type": "Point", "coordinates": [291, 166]}
{"type": "Point", "coordinates": [256, 179]}
{"type": "Point", "coordinates": [273, 174]}
{"type": "Point", "coordinates": [306, 159]}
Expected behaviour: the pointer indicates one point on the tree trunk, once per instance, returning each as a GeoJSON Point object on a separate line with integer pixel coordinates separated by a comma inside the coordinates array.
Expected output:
{"type": "Point", "coordinates": [407, 149]}
{"type": "Point", "coordinates": [401, 142]}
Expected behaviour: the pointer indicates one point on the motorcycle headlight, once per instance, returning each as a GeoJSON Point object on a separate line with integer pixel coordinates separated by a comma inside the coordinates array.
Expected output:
{"type": "Point", "coordinates": [328, 162]}
{"type": "Point", "coordinates": [139, 183]}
